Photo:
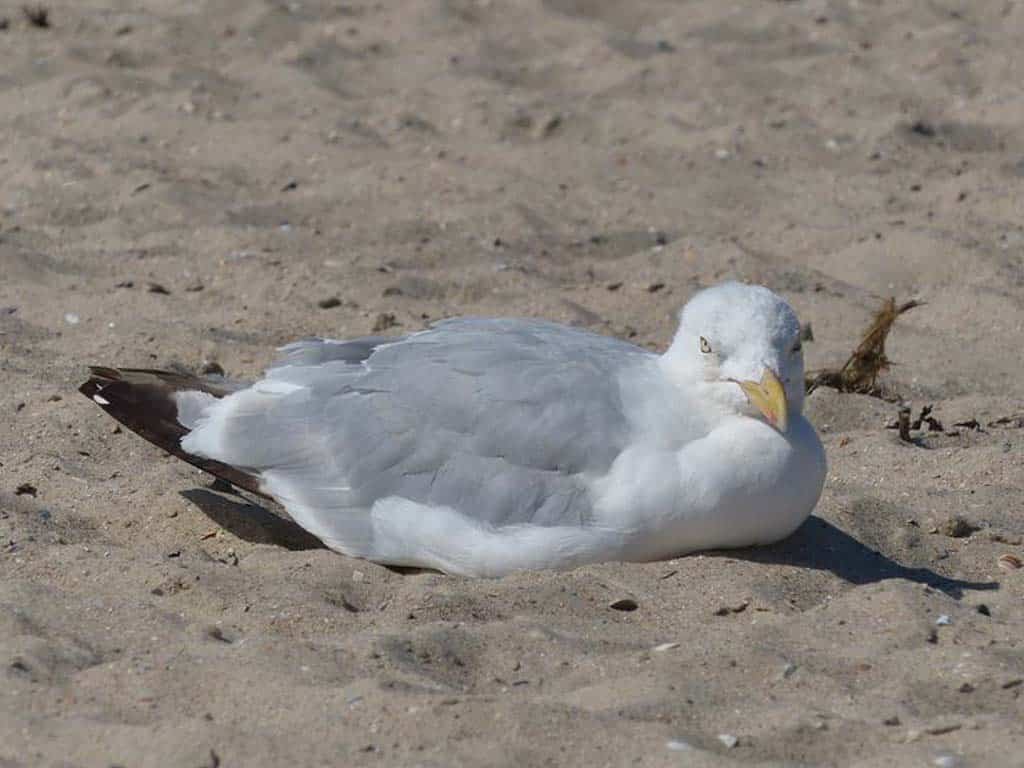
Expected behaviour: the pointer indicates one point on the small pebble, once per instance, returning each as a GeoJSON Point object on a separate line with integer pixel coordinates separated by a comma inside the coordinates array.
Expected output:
{"type": "Point", "coordinates": [728, 740]}
{"type": "Point", "coordinates": [943, 621]}
{"type": "Point", "coordinates": [624, 604]}
{"type": "Point", "coordinates": [358, 576]}
{"type": "Point", "coordinates": [739, 607]}
{"type": "Point", "coordinates": [665, 647]}
{"type": "Point", "coordinates": [329, 303]}
{"type": "Point", "coordinates": [678, 745]}
{"type": "Point", "coordinates": [72, 319]}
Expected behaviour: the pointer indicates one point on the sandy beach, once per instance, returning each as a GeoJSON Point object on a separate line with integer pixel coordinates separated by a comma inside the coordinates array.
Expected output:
{"type": "Point", "coordinates": [192, 184]}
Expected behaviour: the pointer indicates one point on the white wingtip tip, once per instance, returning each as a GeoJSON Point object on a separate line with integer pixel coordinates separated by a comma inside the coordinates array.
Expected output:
{"type": "Point", "coordinates": [100, 399]}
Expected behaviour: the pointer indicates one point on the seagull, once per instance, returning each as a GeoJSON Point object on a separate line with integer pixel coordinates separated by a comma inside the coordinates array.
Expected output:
{"type": "Point", "coordinates": [485, 446]}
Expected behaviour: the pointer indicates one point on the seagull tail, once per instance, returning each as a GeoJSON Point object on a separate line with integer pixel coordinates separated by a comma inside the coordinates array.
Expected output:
{"type": "Point", "coordinates": [150, 403]}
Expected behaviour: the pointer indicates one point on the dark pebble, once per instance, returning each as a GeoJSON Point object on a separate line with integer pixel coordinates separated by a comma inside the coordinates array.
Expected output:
{"type": "Point", "coordinates": [624, 604]}
{"type": "Point", "coordinates": [923, 128]}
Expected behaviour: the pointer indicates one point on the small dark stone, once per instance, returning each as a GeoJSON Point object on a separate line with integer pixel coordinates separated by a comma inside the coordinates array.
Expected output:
{"type": "Point", "coordinates": [157, 288]}
{"type": "Point", "coordinates": [923, 128]}
{"type": "Point", "coordinates": [5, 24]}
{"type": "Point", "coordinates": [983, 609]}
{"type": "Point", "coordinates": [329, 303]}
{"type": "Point", "coordinates": [392, 290]}
{"type": "Point", "coordinates": [125, 284]}
{"type": "Point", "coordinates": [655, 287]}
{"type": "Point", "coordinates": [26, 489]}
{"type": "Point", "coordinates": [288, 187]}
{"type": "Point", "coordinates": [614, 286]}
{"type": "Point", "coordinates": [725, 610]}
{"type": "Point", "coordinates": [624, 604]}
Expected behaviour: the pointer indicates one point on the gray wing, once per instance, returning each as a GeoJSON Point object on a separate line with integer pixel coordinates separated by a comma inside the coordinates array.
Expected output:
{"type": "Point", "coordinates": [495, 418]}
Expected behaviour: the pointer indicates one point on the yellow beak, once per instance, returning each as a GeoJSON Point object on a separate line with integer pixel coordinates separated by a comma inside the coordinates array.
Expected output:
{"type": "Point", "coordinates": [769, 397]}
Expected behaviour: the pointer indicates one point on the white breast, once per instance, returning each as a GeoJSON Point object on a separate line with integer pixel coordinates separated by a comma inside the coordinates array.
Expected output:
{"type": "Point", "coordinates": [742, 484]}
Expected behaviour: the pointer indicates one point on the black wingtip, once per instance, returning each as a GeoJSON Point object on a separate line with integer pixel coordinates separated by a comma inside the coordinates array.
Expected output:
{"type": "Point", "coordinates": [143, 401]}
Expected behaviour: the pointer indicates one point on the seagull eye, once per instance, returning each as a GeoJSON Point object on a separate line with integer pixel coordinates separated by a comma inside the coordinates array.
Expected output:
{"type": "Point", "coordinates": [705, 347]}
{"type": "Point", "coordinates": [797, 347]}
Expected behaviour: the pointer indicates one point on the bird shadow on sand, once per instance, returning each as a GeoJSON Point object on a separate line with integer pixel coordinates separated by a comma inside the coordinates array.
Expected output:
{"type": "Point", "coordinates": [251, 522]}
{"type": "Point", "coordinates": [817, 544]}
{"type": "Point", "coordinates": [820, 545]}
{"type": "Point", "coordinates": [256, 524]}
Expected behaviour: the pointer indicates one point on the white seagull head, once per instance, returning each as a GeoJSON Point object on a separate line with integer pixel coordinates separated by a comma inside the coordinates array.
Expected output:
{"type": "Point", "coordinates": [743, 343]}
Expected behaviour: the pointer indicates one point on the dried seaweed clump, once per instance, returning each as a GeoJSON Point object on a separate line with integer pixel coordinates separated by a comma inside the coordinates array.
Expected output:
{"type": "Point", "coordinates": [860, 372]}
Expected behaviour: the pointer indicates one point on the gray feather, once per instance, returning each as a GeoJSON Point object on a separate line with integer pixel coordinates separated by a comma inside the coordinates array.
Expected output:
{"type": "Point", "coordinates": [496, 418]}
